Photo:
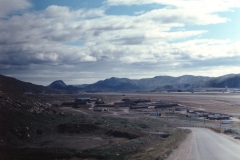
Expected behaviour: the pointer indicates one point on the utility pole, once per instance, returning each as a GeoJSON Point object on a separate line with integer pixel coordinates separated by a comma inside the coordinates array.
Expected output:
{"type": "Point", "coordinates": [167, 115]}
{"type": "Point", "coordinates": [220, 125]}
{"type": "Point", "coordinates": [239, 126]}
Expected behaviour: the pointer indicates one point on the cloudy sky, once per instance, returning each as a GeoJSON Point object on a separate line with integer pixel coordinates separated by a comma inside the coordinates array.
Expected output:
{"type": "Point", "coordinates": [83, 41]}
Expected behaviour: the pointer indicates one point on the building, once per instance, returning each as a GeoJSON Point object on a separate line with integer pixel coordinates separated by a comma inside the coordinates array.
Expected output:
{"type": "Point", "coordinates": [136, 100]}
{"type": "Point", "coordinates": [155, 114]}
{"type": "Point", "coordinates": [192, 115]}
{"type": "Point", "coordinates": [139, 106]}
{"type": "Point", "coordinates": [218, 117]}
{"type": "Point", "coordinates": [180, 109]}
{"type": "Point", "coordinates": [83, 99]}
{"type": "Point", "coordinates": [160, 104]}
{"type": "Point", "coordinates": [124, 104]}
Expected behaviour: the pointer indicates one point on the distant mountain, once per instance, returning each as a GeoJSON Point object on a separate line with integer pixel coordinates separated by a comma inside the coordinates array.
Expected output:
{"type": "Point", "coordinates": [60, 85]}
{"type": "Point", "coordinates": [113, 85]}
{"type": "Point", "coordinates": [177, 87]}
{"type": "Point", "coordinates": [81, 85]}
{"type": "Point", "coordinates": [230, 80]}
{"type": "Point", "coordinates": [116, 81]}
{"type": "Point", "coordinates": [160, 81]}
{"type": "Point", "coordinates": [125, 84]}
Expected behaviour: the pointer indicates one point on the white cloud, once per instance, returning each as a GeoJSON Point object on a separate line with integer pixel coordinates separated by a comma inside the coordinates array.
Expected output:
{"type": "Point", "coordinates": [12, 6]}
{"type": "Point", "coordinates": [65, 13]}
{"type": "Point", "coordinates": [193, 5]}
{"type": "Point", "coordinates": [150, 41]}
{"type": "Point", "coordinates": [182, 16]}
{"type": "Point", "coordinates": [139, 13]}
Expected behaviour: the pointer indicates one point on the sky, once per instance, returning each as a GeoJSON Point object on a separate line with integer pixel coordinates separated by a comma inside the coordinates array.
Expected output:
{"type": "Point", "coordinates": [83, 41]}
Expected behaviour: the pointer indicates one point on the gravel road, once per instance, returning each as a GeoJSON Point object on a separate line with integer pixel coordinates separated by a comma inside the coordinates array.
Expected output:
{"type": "Point", "coordinates": [204, 144]}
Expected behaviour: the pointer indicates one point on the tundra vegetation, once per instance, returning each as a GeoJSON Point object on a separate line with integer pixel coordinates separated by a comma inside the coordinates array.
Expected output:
{"type": "Point", "coordinates": [33, 129]}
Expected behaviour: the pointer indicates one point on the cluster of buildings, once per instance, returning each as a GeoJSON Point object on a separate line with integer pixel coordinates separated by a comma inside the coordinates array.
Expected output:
{"type": "Point", "coordinates": [224, 90]}
{"type": "Point", "coordinates": [126, 102]}
{"type": "Point", "coordinates": [210, 116]}
{"type": "Point", "coordinates": [145, 103]}
{"type": "Point", "coordinates": [83, 100]}
{"type": "Point", "coordinates": [88, 100]}
{"type": "Point", "coordinates": [142, 103]}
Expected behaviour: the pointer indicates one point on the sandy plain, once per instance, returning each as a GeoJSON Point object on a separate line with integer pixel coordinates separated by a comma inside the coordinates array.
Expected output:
{"type": "Point", "coordinates": [226, 103]}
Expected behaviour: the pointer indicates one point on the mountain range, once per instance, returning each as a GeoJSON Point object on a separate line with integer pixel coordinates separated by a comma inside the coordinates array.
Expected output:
{"type": "Point", "coordinates": [155, 84]}
{"type": "Point", "coordinates": [158, 83]}
{"type": "Point", "coordinates": [125, 84]}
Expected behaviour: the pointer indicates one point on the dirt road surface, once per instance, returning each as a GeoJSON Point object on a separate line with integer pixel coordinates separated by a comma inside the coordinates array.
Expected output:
{"type": "Point", "coordinates": [204, 144]}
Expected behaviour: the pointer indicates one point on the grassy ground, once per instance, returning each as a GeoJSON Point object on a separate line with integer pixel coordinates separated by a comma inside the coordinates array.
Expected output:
{"type": "Point", "coordinates": [163, 148]}
{"type": "Point", "coordinates": [22, 133]}
{"type": "Point", "coordinates": [27, 134]}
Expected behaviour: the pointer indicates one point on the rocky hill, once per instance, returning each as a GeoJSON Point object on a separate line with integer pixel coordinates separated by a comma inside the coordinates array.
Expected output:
{"type": "Point", "coordinates": [160, 81]}
{"type": "Point", "coordinates": [231, 81]}
{"type": "Point", "coordinates": [177, 87]}
{"type": "Point", "coordinates": [19, 113]}
{"type": "Point", "coordinates": [9, 84]}
{"type": "Point", "coordinates": [113, 85]}
{"type": "Point", "coordinates": [60, 85]}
